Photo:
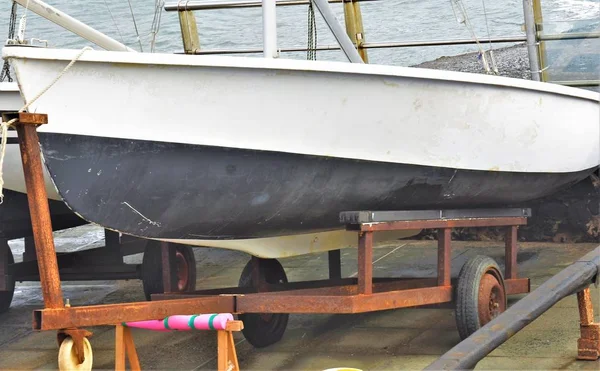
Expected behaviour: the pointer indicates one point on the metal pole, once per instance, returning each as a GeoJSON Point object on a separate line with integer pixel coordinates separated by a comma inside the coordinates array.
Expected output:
{"type": "Point", "coordinates": [530, 31]}
{"type": "Point", "coordinates": [269, 29]}
{"type": "Point", "coordinates": [337, 30]}
{"type": "Point", "coordinates": [572, 279]}
{"type": "Point", "coordinates": [39, 209]}
{"type": "Point", "coordinates": [538, 19]}
{"type": "Point", "coordinates": [71, 24]}
{"type": "Point", "coordinates": [220, 4]}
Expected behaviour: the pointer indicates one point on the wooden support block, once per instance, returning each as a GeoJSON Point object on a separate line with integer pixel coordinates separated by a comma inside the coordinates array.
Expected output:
{"type": "Point", "coordinates": [124, 346]}
{"type": "Point", "coordinates": [119, 348]}
{"type": "Point", "coordinates": [222, 351]}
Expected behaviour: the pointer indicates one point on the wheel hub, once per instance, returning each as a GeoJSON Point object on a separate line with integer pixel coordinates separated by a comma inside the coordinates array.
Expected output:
{"type": "Point", "coordinates": [491, 298]}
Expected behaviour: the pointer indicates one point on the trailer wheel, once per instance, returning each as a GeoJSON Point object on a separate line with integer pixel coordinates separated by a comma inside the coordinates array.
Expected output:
{"type": "Point", "coordinates": [264, 329]}
{"type": "Point", "coordinates": [184, 265]}
{"type": "Point", "coordinates": [480, 295]}
{"type": "Point", "coordinates": [67, 357]}
{"type": "Point", "coordinates": [6, 296]}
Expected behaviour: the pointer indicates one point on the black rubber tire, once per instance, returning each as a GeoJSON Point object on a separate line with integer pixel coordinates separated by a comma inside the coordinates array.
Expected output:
{"type": "Point", "coordinates": [262, 330]}
{"type": "Point", "coordinates": [467, 293]}
{"type": "Point", "coordinates": [152, 279]}
{"type": "Point", "coordinates": [7, 296]}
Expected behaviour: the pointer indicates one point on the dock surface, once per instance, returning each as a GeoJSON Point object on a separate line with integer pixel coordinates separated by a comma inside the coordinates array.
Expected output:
{"type": "Point", "coordinates": [402, 339]}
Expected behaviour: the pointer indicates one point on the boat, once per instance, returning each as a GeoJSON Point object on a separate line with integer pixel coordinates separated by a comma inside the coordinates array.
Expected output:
{"type": "Point", "coordinates": [249, 153]}
{"type": "Point", "coordinates": [210, 150]}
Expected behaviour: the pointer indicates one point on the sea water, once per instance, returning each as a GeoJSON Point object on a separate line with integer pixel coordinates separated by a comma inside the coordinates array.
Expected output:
{"type": "Point", "coordinates": [384, 21]}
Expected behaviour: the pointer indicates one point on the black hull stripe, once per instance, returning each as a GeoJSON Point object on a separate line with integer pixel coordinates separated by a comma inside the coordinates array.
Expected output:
{"type": "Point", "coordinates": [169, 190]}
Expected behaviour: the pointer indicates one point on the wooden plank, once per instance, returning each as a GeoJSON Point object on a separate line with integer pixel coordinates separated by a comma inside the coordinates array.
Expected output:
{"type": "Point", "coordinates": [134, 361]}
{"type": "Point", "coordinates": [119, 348]}
{"type": "Point", "coordinates": [189, 32]}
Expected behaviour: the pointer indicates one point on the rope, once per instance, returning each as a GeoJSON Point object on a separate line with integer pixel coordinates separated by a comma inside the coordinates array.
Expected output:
{"type": "Point", "coordinates": [155, 24]}
{"type": "Point", "coordinates": [135, 26]}
{"type": "Point", "coordinates": [491, 50]}
{"type": "Point", "coordinates": [5, 125]}
{"type": "Point", "coordinates": [114, 22]}
{"type": "Point", "coordinates": [467, 22]}
{"type": "Point", "coordinates": [311, 52]}
{"type": "Point", "coordinates": [5, 74]}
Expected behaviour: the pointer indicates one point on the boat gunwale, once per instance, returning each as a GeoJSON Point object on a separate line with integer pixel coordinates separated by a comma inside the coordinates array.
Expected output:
{"type": "Point", "coordinates": [212, 61]}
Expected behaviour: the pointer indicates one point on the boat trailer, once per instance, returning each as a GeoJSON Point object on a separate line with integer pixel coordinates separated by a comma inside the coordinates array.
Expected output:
{"type": "Point", "coordinates": [576, 278]}
{"type": "Point", "coordinates": [264, 298]}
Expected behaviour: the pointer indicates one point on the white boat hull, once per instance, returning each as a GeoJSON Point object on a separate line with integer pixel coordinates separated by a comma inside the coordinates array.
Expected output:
{"type": "Point", "coordinates": [184, 128]}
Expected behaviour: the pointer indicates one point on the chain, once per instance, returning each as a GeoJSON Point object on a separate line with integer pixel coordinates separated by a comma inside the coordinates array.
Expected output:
{"type": "Point", "coordinates": [5, 74]}
{"type": "Point", "coordinates": [311, 53]}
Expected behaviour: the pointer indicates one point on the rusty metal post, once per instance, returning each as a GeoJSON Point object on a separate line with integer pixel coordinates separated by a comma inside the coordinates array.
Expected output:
{"type": "Point", "coordinates": [335, 264]}
{"type": "Point", "coordinates": [167, 259]}
{"type": "Point", "coordinates": [365, 263]}
{"type": "Point", "coordinates": [588, 345]}
{"type": "Point", "coordinates": [510, 252]}
{"type": "Point", "coordinates": [38, 207]}
{"type": "Point", "coordinates": [444, 256]}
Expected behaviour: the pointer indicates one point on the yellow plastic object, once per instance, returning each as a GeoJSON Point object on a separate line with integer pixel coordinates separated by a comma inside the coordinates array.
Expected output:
{"type": "Point", "coordinates": [67, 359]}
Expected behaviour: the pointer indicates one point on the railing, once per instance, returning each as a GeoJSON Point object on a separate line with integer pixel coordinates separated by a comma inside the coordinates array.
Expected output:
{"type": "Point", "coordinates": [534, 38]}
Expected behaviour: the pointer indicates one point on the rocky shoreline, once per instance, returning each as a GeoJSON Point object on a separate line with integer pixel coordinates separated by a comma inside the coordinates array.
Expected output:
{"type": "Point", "coordinates": [511, 61]}
{"type": "Point", "coordinates": [571, 215]}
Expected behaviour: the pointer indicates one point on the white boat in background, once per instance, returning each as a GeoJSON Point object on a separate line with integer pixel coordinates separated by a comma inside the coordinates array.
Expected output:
{"type": "Point", "coordinates": [217, 151]}
{"type": "Point", "coordinates": [11, 100]}
{"type": "Point", "coordinates": [15, 220]}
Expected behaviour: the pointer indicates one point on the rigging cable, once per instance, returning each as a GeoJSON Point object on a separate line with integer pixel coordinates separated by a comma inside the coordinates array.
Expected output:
{"type": "Point", "coordinates": [114, 22]}
{"type": "Point", "coordinates": [311, 52]}
{"type": "Point", "coordinates": [5, 74]}
{"type": "Point", "coordinates": [156, 24]}
{"type": "Point", "coordinates": [135, 26]}
{"type": "Point", "coordinates": [487, 26]}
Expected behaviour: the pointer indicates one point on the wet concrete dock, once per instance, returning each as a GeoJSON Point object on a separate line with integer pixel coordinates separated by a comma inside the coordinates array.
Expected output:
{"type": "Point", "coordinates": [403, 339]}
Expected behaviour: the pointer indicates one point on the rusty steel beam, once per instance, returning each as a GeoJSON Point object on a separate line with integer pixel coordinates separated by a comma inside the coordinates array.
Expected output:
{"type": "Point", "coordinates": [444, 256]}
{"type": "Point", "coordinates": [365, 263]}
{"type": "Point", "coordinates": [517, 286]}
{"type": "Point", "coordinates": [353, 289]}
{"type": "Point", "coordinates": [293, 288]}
{"type": "Point", "coordinates": [436, 224]}
{"type": "Point", "coordinates": [283, 303]}
{"type": "Point", "coordinates": [38, 206]}
{"type": "Point", "coordinates": [572, 279]}
{"type": "Point", "coordinates": [111, 314]}
{"type": "Point", "coordinates": [510, 252]}
{"type": "Point", "coordinates": [588, 345]}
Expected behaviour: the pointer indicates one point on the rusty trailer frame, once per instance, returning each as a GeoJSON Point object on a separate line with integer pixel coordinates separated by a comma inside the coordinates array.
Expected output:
{"type": "Point", "coordinates": [335, 295]}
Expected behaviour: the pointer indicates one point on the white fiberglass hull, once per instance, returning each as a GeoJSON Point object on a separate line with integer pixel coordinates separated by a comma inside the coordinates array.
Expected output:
{"type": "Point", "coordinates": [228, 151]}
